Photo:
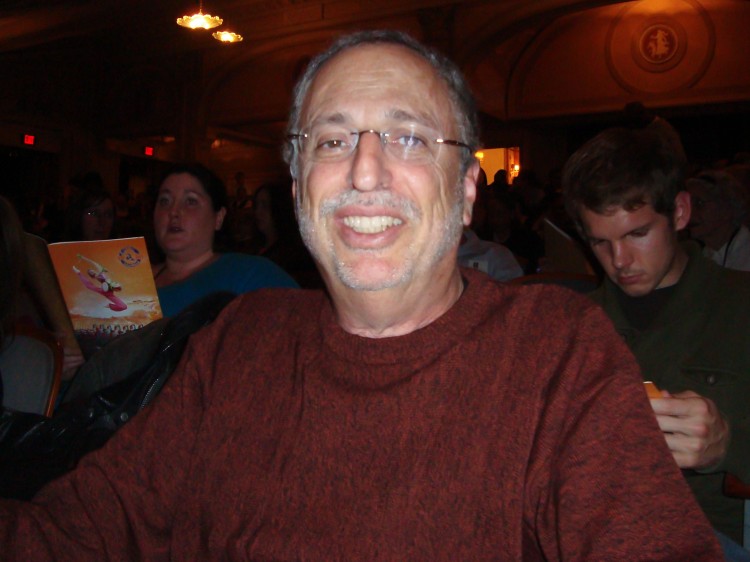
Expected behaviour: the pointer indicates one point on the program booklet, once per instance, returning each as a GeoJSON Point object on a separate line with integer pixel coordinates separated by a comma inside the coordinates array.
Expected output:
{"type": "Point", "coordinates": [562, 253]}
{"type": "Point", "coordinates": [108, 288]}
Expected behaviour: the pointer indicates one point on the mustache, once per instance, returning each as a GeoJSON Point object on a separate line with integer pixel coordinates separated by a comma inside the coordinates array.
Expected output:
{"type": "Point", "coordinates": [385, 199]}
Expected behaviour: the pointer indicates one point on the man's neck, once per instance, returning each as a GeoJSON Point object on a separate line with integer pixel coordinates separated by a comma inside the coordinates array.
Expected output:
{"type": "Point", "coordinates": [641, 312]}
{"type": "Point", "coordinates": [396, 311]}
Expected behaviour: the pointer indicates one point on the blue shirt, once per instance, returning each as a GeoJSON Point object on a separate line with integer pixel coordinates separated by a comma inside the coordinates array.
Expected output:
{"type": "Point", "coordinates": [237, 273]}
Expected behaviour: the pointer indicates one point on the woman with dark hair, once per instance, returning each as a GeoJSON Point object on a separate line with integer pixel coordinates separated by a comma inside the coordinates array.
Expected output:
{"type": "Point", "coordinates": [91, 215]}
{"type": "Point", "coordinates": [190, 209]}
{"type": "Point", "coordinates": [273, 210]}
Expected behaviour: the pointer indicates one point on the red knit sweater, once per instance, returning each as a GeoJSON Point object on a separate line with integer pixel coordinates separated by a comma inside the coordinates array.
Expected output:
{"type": "Point", "coordinates": [513, 427]}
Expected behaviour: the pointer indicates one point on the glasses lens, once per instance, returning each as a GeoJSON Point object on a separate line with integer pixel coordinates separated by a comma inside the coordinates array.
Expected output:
{"type": "Point", "coordinates": [328, 142]}
{"type": "Point", "coordinates": [411, 143]}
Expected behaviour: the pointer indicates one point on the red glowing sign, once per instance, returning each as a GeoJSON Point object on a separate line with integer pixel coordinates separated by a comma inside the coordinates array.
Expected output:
{"type": "Point", "coordinates": [148, 150]}
{"type": "Point", "coordinates": [29, 140]}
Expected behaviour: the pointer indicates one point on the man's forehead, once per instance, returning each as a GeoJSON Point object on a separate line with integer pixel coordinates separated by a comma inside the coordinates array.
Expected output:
{"type": "Point", "coordinates": [617, 216]}
{"type": "Point", "coordinates": [376, 73]}
{"type": "Point", "coordinates": [390, 114]}
{"type": "Point", "coordinates": [382, 58]}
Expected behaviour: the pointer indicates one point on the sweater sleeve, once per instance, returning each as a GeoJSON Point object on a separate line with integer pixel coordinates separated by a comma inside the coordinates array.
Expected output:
{"type": "Point", "coordinates": [604, 484]}
{"type": "Point", "coordinates": [118, 504]}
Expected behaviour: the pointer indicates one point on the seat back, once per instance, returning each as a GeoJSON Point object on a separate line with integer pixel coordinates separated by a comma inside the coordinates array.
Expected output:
{"type": "Point", "coordinates": [736, 488]}
{"type": "Point", "coordinates": [31, 364]}
{"type": "Point", "coordinates": [579, 282]}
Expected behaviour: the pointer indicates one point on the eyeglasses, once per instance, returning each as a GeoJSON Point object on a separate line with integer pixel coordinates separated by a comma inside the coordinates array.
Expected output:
{"type": "Point", "coordinates": [99, 214]}
{"type": "Point", "coordinates": [334, 143]}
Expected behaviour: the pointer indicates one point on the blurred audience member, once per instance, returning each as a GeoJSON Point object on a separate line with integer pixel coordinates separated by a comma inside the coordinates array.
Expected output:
{"type": "Point", "coordinates": [532, 199]}
{"type": "Point", "coordinates": [190, 210]}
{"type": "Point", "coordinates": [741, 172]}
{"type": "Point", "coordinates": [91, 215]}
{"type": "Point", "coordinates": [273, 210]}
{"type": "Point", "coordinates": [526, 245]}
{"type": "Point", "coordinates": [476, 250]}
{"type": "Point", "coordinates": [719, 208]}
{"type": "Point", "coordinates": [241, 198]}
{"type": "Point", "coordinates": [11, 255]}
{"type": "Point", "coordinates": [500, 180]}
{"type": "Point", "coordinates": [492, 258]}
{"type": "Point", "coordinates": [480, 223]}
{"type": "Point", "coordinates": [242, 234]}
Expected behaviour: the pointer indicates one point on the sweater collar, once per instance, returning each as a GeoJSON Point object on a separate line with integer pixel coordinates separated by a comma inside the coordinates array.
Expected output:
{"type": "Point", "coordinates": [380, 362]}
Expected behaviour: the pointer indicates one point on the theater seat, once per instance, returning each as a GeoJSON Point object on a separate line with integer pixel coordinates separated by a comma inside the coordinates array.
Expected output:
{"type": "Point", "coordinates": [31, 365]}
{"type": "Point", "coordinates": [736, 488]}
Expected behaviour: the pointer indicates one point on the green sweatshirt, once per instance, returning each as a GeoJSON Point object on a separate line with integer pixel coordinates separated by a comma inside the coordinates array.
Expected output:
{"type": "Point", "coordinates": [699, 340]}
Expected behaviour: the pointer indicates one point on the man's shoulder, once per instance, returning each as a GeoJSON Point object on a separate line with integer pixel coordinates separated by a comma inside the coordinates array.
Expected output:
{"type": "Point", "coordinates": [539, 302]}
{"type": "Point", "coordinates": [267, 314]}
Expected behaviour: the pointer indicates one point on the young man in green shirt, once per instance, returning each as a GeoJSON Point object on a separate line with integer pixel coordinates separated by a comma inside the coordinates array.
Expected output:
{"type": "Point", "coordinates": [684, 317]}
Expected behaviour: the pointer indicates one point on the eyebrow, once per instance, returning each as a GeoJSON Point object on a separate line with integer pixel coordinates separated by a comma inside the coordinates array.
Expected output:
{"type": "Point", "coordinates": [398, 115]}
{"type": "Point", "coordinates": [590, 238]}
{"type": "Point", "coordinates": [337, 118]}
{"type": "Point", "coordinates": [403, 115]}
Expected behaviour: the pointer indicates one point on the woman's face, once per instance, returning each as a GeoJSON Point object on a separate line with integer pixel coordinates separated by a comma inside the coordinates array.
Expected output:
{"type": "Point", "coordinates": [184, 219]}
{"type": "Point", "coordinates": [97, 221]}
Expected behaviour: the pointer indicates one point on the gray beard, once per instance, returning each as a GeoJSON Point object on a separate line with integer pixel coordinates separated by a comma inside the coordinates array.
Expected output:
{"type": "Point", "coordinates": [451, 235]}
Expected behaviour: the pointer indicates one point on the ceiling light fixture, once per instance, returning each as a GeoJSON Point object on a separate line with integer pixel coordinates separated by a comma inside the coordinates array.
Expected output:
{"type": "Point", "coordinates": [227, 36]}
{"type": "Point", "coordinates": [200, 20]}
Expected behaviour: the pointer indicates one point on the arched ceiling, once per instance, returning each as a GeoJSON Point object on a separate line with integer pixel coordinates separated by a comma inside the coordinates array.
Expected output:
{"type": "Point", "coordinates": [125, 70]}
{"type": "Point", "coordinates": [245, 87]}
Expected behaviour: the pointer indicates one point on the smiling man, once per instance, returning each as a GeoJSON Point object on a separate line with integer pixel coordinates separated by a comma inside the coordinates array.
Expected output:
{"type": "Point", "coordinates": [684, 317]}
{"type": "Point", "coordinates": [415, 411]}
{"type": "Point", "coordinates": [385, 235]}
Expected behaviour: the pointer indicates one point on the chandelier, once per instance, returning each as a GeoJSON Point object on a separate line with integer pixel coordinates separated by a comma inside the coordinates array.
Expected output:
{"type": "Point", "coordinates": [227, 36]}
{"type": "Point", "coordinates": [200, 20]}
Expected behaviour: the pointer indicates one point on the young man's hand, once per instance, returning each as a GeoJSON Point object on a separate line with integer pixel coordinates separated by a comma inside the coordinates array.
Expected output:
{"type": "Point", "coordinates": [696, 432]}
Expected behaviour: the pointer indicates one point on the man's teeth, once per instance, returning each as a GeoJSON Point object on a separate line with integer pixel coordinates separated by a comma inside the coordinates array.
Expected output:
{"type": "Point", "coordinates": [371, 225]}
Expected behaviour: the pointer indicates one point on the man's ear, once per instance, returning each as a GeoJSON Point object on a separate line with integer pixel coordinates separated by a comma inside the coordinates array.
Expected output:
{"type": "Point", "coordinates": [681, 216]}
{"type": "Point", "coordinates": [470, 191]}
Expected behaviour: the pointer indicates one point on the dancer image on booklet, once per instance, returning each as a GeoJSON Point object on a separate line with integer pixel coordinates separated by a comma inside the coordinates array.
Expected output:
{"type": "Point", "coordinates": [107, 285]}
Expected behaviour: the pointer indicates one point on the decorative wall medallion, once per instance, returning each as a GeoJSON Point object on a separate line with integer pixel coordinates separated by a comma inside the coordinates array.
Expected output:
{"type": "Point", "coordinates": [658, 43]}
{"type": "Point", "coordinates": [659, 46]}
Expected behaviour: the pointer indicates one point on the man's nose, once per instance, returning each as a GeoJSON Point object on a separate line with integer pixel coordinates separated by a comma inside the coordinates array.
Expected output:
{"type": "Point", "coordinates": [369, 168]}
{"type": "Point", "coordinates": [621, 255]}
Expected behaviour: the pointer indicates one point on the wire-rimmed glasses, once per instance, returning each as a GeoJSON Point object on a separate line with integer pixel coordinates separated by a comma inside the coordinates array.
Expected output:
{"type": "Point", "coordinates": [408, 143]}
